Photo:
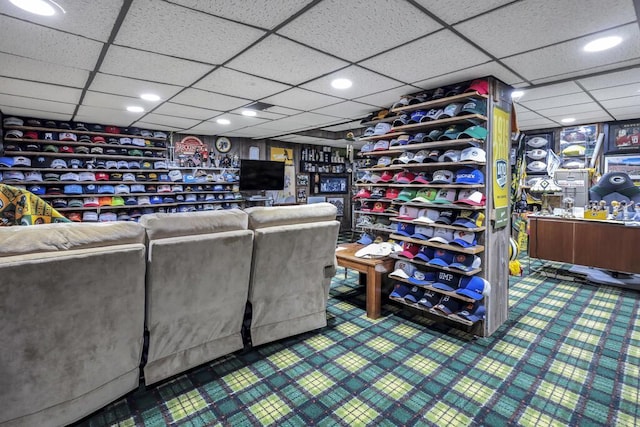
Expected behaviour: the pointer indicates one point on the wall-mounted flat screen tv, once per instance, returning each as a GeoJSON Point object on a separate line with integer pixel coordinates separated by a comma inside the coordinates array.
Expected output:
{"type": "Point", "coordinates": [256, 175]}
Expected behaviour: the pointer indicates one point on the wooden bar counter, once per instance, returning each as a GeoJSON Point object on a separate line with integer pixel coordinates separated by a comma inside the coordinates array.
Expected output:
{"type": "Point", "coordinates": [610, 245]}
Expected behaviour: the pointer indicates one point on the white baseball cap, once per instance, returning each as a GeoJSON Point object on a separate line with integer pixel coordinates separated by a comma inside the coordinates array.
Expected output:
{"type": "Point", "coordinates": [473, 153]}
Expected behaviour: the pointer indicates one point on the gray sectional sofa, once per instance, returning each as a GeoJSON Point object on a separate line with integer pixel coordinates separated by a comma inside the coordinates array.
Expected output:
{"type": "Point", "coordinates": [75, 300]}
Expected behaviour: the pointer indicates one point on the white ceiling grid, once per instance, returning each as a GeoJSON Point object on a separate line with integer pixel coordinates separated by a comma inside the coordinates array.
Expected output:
{"type": "Point", "coordinates": [209, 59]}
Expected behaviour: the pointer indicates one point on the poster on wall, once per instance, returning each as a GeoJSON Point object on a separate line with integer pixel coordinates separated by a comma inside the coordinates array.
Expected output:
{"type": "Point", "coordinates": [282, 155]}
{"type": "Point", "coordinates": [302, 179]}
{"type": "Point", "coordinates": [623, 136]}
{"type": "Point", "coordinates": [338, 202]}
{"type": "Point", "coordinates": [500, 138]}
{"type": "Point", "coordinates": [301, 195]}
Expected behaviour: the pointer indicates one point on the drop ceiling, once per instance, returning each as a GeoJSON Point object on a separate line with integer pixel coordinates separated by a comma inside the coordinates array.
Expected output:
{"type": "Point", "coordinates": [209, 59]}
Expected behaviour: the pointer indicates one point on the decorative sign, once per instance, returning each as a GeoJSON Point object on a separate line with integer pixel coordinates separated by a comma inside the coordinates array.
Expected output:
{"type": "Point", "coordinates": [500, 148]}
{"type": "Point", "coordinates": [190, 145]}
{"type": "Point", "coordinates": [282, 155]}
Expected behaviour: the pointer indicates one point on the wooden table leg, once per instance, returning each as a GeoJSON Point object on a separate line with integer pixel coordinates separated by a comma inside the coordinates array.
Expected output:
{"type": "Point", "coordinates": [374, 287]}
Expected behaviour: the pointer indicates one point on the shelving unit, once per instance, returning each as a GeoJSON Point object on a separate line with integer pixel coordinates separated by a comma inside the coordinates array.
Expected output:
{"type": "Point", "coordinates": [490, 236]}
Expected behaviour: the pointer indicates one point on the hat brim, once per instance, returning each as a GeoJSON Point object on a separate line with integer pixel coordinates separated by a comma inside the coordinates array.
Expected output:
{"type": "Point", "coordinates": [438, 261]}
{"type": "Point", "coordinates": [471, 294]}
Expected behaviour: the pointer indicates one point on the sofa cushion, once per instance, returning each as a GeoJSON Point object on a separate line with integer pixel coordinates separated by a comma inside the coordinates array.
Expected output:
{"type": "Point", "coordinates": [67, 236]}
{"type": "Point", "coordinates": [273, 216]}
{"type": "Point", "coordinates": [162, 225]}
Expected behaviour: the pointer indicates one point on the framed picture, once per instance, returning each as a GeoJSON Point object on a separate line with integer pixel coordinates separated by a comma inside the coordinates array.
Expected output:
{"type": "Point", "coordinates": [338, 202]}
{"type": "Point", "coordinates": [629, 164]}
{"type": "Point", "coordinates": [302, 179]}
{"type": "Point", "coordinates": [584, 136]}
{"type": "Point", "coordinates": [301, 195]}
{"type": "Point", "coordinates": [623, 136]}
{"type": "Point", "coordinates": [333, 184]}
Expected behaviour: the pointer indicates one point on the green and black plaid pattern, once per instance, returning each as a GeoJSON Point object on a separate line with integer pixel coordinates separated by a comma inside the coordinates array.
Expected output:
{"type": "Point", "coordinates": [568, 355]}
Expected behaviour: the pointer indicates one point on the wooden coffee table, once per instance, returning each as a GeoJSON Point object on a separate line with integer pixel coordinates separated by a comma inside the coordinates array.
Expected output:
{"type": "Point", "coordinates": [372, 268]}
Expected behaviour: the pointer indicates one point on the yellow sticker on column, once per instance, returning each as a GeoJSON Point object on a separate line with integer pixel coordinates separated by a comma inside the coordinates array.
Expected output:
{"type": "Point", "coordinates": [500, 148]}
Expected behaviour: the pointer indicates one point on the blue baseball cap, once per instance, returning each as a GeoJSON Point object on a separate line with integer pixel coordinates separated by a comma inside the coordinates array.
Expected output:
{"type": "Point", "coordinates": [399, 291]}
{"type": "Point", "coordinates": [72, 189]}
{"type": "Point", "coordinates": [365, 239]}
{"type": "Point", "coordinates": [36, 189]}
{"type": "Point", "coordinates": [469, 176]}
{"type": "Point", "coordinates": [475, 313]}
{"type": "Point", "coordinates": [449, 305]}
{"type": "Point", "coordinates": [429, 298]}
{"type": "Point", "coordinates": [425, 254]}
{"type": "Point", "coordinates": [422, 277]}
{"type": "Point", "coordinates": [465, 262]}
{"type": "Point", "coordinates": [405, 229]}
{"type": "Point", "coordinates": [441, 257]}
{"type": "Point", "coordinates": [414, 294]}
{"type": "Point", "coordinates": [446, 281]}
{"type": "Point", "coordinates": [472, 287]}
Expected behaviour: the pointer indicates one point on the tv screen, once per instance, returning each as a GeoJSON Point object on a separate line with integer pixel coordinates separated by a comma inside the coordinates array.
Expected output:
{"type": "Point", "coordinates": [261, 175]}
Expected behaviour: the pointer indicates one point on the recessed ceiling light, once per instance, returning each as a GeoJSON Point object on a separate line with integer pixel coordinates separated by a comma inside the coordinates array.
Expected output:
{"type": "Point", "coordinates": [223, 121]}
{"type": "Point", "coordinates": [568, 120]}
{"type": "Point", "coordinates": [249, 113]}
{"type": "Point", "coordinates": [150, 97]}
{"type": "Point", "coordinates": [602, 44]}
{"type": "Point", "coordinates": [341, 83]}
{"type": "Point", "coordinates": [517, 93]}
{"type": "Point", "coordinates": [135, 109]}
{"type": "Point", "coordinates": [38, 7]}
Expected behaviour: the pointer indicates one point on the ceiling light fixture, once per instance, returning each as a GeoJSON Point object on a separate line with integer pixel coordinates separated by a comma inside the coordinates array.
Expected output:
{"type": "Point", "coordinates": [223, 121]}
{"type": "Point", "coordinates": [341, 83]}
{"type": "Point", "coordinates": [150, 97]}
{"type": "Point", "coordinates": [568, 120]}
{"type": "Point", "coordinates": [38, 7]}
{"type": "Point", "coordinates": [602, 44]}
{"type": "Point", "coordinates": [249, 113]}
{"type": "Point", "coordinates": [517, 94]}
{"type": "Point", "coordinates": [135, 109]}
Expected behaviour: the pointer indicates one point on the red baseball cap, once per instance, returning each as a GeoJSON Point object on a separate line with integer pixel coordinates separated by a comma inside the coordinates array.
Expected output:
{"type": "Point", "coordinates": [386, 176]}
{"type": "Point", "coordinates": [363, 194]}
{"type": "Point", "coordinates": [102, 176]}
{"type": "Point", "coordinates": [379, 207]}
{"type": "Point", "coordinates": [391, 193]}
{"type": "Point", "coordinates": [480, 86]}
{"type": "Point", "coordinates": [98, 138]}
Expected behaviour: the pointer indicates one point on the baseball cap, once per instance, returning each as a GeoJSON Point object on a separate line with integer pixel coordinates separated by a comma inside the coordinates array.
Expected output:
{"type": "Point", "coordinates": [433, 114]}
{"type": "Point", "coordinates": [477, 132]}
{"type": "Point", "coordinates": [441, 257]}
{"type": "Point", "coordinates": [473, 106]}
{"type": "Point", "coordinates": [105, 201]}
{"type": "Point", "coordinates": [473, 153]}
{"type": "Point", "coordinates": [404, 177]}
{"type": "Point", "coordinates": [446, 217]}
{"type": "Point", "coordinates": [419, 156]}
{"type": "Point", "coordinates": [403, 269]}
{"type": "Point", "coordinates": [427, 216]}
{"type": "Point", "coordinates": [108, 216]}
{"type": "Point", "coordinates": [42, 162]}
{"type": "Point", "coordinates": [416, 116]}
{"type": "Point", "coordinates": [58, 164]}
{"type": "Point", "coordinates": [465, 262]}
{"type": "Point", "coordinates": [381, 145]}
{"type": "Point", "coordinates": [91, 202]}
{"type": "Point", "coordinates": [67, 136]}
{"type": "Point", "coordinates": [414, 295]}
{"type": "Point", "coordinates": [429, 298]}
{"type": "Point", "coordinates": [423, 232]}
{"type": "Point", "coordinates": [425, 195]}
{"type": "Point", "coordinates": [479, 85]}
{"type": "Point", "coordinates": [472, 312]}
{"type": "Point", "coordinates": [365, 239]}
{"type": "Point", "coordinates": [451, 110]}
{"type": "Point", "coordinates": [425, 254]}
{"type": "Point", "coordinates": [406, 194]}
{"type": "Point", "coordinates": [445, 196]}
{"type": "Point", "coordinates": [89, 216]}
{"type": "Point", "coordinates": [442, 176]}
{"type": "Point", "coordinates": [434, 135]}
{"type": "Point", "coordinates": [450, 156]}
{"type": "Point", "coordinates": [72, 189]}
{"type": "Point", "coordinates": [448, 305]}
{"type": "Point", "coordinates": [381, 128]}
{"type": "Point", "coordinates": [442, 235]}
{"type": "Point", "coordinates": [383, 161]}
{"type": "Point", "coordinates": [405, 157]}
{"type": "Point", "coordinates": [409, 250]}
{"type": "Point", "coordinates": [469, 176]}
{"type": "Point", "coordinates": [408, 213]}
{"type": "Point", "coordinates": [405, 229]}
{"type": "Point", "coordinates": [399, 291]}
{"type": "Point", "coordinates": [377, 193]}
{"type": "Point", "coordinates": [466, 239]}
{"type": "Point", "coordinates": [364, 193]}
{"type": "Point", "coordinates": [471, 197]}
{"type": "Point", "coordinates": [75, 203]}
{"type": "Point", "coordinates": [19, 176]}
{"type": "Point", "coordinates": [102, 176]}
{"type": "Point", "coordinates": [391, 193]}
{"type": "Point", "coordinates": [379, 207]}
{"type": "Point", "coordinates": [122, 189]}
{"type": "Point", "coordinates": [472, 287]}
{"type": "Point", "coordinates": [446, 281]}
{"type": "Point", "coordinates": [469, 219]}
{"type": "Point", "coordinates": [421, 178]}
{"type": "Point", "coordinates": [452, 132]}
{"type": "Point", "coordinates": [14, 133]}
{"type": "Point", "coordinates": [37, 189]}
{"type": "Point", "coordinates": [70, 176]}
{"type": "Point", "coordinates": [144, 200]}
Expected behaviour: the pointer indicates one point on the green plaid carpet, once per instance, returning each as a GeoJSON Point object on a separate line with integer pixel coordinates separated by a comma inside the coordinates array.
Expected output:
{"type": "Point", "coordinates": [569, 355]}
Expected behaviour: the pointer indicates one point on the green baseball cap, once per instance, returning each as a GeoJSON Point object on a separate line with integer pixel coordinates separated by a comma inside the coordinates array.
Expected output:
{"type": "Point", "coordinates": [426, 195]}
{"type": "Point", "coordinates": [406, 194]}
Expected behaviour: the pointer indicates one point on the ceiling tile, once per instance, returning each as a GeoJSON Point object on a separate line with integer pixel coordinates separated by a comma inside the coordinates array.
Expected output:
{"type": "Point", "coordinates": [43, 44]}
{"type": "Point", "coordinates": [537, 124]}
{"type": "Point", "coordinates": [235, 83]}
{"type": "Point", "coordinates": [612, 79]}
{"type": "Point", "coordinates": [488, 69]}
{"type": "Point", "coordinates": [36, 104]}
{"type": "Point", "coordinates": [39, 90]}
{"type": "Point", "coordinates": [152, 26]}
{"type": "Point", "coordinates": [179, 110]}
{"type": "Point", "coordinates": [269, 12]}
{"type": "Point", "coordinates": [556, 101]}
{"type": "Point", "coordinates": [301, 121]}
{"type": "Point", "coordinates": [549, 22]}
{"type": "Point", "coordinates": [116, 102]}
{"type": "Point", "coordinates": [344, 126]}
{"type": "Point", "coordinates": [346, 110]}
{"type": "Point", "coordinates": [463, 8]}
{"type": "Point", "coordinates": [106, 116]}
{"type": "Point", "coordinates": [569, 110]}
{"type": "Point", "coordinates": [151, 66]}
{"type": "Point", "coordinates": [303, 139]}
{"type": "Point", "coordinates": [116, 85]}
{"type": "Point", "coordinates": [628, 101]}
{"type": "Point", "coordinates": [328, 25]}
{"type": "Point", "coordinates": [364, 82]}
{"type": "Point", "coordinates": [256, 132]}
{"type": "Point", "coordinates": [282, 60]}
{"type": "Point", "coordinates": [79, 17]}
{"type": "Point", "coordinates": [30, 69]}
{"type": "Point", "coordinates": [178, 122]}
{"type": "Point", "coordinates": [210, 127]}
{"type": "Point", "coordinates": [591, 71]}
{"type": "Point", "coordinates": [569, 57]}
{"type": "Point", "coordinates": [301, 99]}
{"type": "Point", "coordinates": [155, 126]}
{"type": "Point", "coordinates": [386, 98]}
{"type": "Point", "coordinates": [625, 113]}
{"type": "Point", "coordinates": [419, 60]}
{"type": "Point", "coordinates": [208, 100]}
{"type": "Point", "coordinates": [523, 114]}
{"type": "Point", "coordinates": [10, 110]}
{"type": "Point", "coordinates": [282, 111]}
{"type": "Point", "coordinates": [261, 114]}
{"type": "Point", "coordinates": [622, 91]}
{"type": "Point", "coordinates": [584, 117]}
{"type": "Point", "coordinates": [549, 91]}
